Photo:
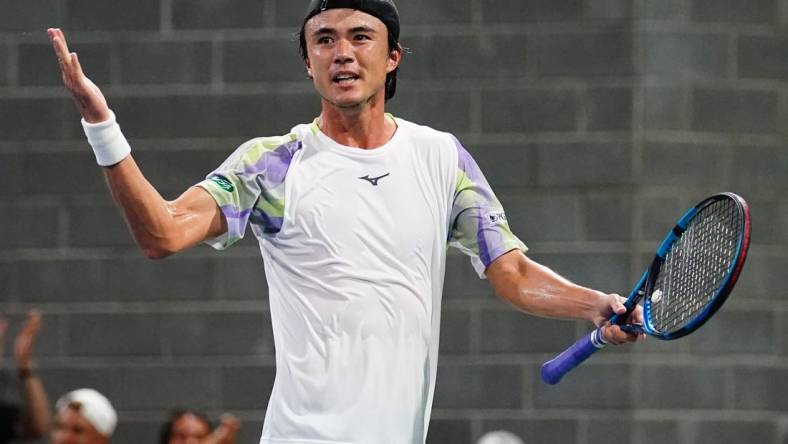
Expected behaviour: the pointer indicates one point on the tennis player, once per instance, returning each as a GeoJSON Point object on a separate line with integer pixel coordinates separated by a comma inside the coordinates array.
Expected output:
{"type": "Point", "coordinates": [353, 213]}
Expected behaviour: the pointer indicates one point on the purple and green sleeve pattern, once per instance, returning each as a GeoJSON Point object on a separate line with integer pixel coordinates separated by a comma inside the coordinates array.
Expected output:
{"type": "Point", "coordinates": [249, 187]}
{"type": "Point", "coordinates": [479, 225]}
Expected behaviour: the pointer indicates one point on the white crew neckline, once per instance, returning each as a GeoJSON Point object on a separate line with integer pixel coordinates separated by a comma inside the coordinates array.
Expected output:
{"type": "Point", "coordinates": [335, 146]}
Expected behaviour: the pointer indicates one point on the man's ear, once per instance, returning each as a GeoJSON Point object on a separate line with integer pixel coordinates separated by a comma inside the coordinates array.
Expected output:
{"type": "Point", "coordinates": [395, 56]}
{"type": "Point", "coordinates": [308, 68]}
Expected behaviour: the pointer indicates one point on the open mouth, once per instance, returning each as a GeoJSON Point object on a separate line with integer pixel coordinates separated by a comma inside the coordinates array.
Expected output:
{"type": "Point", "coordinates": [345, 78]}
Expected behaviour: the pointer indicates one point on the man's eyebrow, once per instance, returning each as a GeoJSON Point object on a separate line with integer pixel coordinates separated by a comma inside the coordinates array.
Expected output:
{"type": "Point", "coordinates": [355, 30]}
{"type": "Point", "coordinates": [362, 28]}
{"type": "Point", "coordinates": [324, 30]}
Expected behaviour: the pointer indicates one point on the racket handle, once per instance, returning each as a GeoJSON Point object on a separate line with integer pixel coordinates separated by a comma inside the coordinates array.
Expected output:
{"type": "Point", "coordinates": [555, 369]}
{"type": "Point", "coordinates": [635, 329]}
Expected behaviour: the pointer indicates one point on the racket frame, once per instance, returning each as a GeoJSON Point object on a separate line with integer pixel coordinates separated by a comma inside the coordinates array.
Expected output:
{"type": "Point", "coordinates": [553, 370]}
{"type": "Point", "coordinates": [734, 270]}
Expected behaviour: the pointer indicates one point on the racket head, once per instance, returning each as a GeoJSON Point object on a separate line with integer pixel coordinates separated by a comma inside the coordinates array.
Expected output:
{"type": "Point", "coordinates": [696, 267]}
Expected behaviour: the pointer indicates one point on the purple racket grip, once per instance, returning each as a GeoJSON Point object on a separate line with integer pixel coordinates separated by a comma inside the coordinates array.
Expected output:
{"type": "Point", "coordinates": [555, 369]}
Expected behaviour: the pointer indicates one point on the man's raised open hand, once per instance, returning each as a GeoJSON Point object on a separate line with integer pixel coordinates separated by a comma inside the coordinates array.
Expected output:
{"type": "Point", "coordinates": [26, 338]}
{"type": "Point", "coordinates": [88, 97]}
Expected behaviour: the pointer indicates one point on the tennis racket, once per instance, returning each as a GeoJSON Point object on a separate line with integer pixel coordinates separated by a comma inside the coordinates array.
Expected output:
{"type": "Point", "coordinates": [694, 270]}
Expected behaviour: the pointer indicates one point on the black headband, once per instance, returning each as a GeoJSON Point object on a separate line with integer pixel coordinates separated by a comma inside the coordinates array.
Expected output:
{"type": "Point", "coordinates": [384, 10]}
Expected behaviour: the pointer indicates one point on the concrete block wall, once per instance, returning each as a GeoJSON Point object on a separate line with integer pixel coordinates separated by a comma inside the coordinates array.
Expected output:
{"type": "Point", "coordinates": [597, 122]}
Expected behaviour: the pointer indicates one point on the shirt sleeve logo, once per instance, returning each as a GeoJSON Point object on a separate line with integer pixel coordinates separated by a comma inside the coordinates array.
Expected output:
{"type": "Point", "coordinates": [223, 183]}
{"type": "Point", "coordinates": [496, 218]}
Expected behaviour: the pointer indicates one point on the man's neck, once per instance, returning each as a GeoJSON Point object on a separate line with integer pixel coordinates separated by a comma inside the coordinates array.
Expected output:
{"type": "Point", "coordinates": [368, 128]}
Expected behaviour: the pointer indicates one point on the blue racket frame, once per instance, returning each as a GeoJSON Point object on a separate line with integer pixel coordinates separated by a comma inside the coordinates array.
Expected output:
{"type": "Point", "coordinates": [553, 370]}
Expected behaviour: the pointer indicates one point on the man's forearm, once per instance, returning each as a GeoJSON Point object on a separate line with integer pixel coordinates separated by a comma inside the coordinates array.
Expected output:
{"type": "Point", "coordinates": [545, 293]}
{"type": "Point", "coordinates": [538, 290]}
{"type": "Point", "coordinates": [162, 227]}
{"type": "Point", "coordinates": [36, 415]}
{"type": "Point", "coordinates": [147, 214]}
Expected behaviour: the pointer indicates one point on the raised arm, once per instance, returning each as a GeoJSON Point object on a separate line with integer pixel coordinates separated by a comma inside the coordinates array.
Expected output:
{"type": "Point", "coordinates": [225, 432]}
{"type": "Point", "coordinates": [536, 289]}
{"type": "Point", "coordinates": [35, 415]}
{"type": "Point", "coordinates": [160, 227]}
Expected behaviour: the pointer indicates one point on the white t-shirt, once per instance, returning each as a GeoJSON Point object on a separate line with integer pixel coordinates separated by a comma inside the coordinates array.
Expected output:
{"type": "Point", "coordinates": [354, 245]}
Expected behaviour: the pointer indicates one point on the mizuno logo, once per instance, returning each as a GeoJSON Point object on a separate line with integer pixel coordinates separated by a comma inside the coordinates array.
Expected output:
{"type": "Point", "coordinates": [373, 180]}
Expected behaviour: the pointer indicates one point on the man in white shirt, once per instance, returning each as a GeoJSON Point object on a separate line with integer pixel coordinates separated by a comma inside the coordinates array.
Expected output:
{"type": "Point", "coordinates": [353, 213]}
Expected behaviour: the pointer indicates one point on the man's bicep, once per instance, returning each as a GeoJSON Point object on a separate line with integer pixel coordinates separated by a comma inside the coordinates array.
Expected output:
{"type": "Point", "coordinates": [506, 272]}
{"type": "Point", "coordinates": [198, 216]}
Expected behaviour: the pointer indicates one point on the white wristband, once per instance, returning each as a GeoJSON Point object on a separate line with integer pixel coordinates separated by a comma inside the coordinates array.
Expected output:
{"type": "Point", "coordinates": [107, 141]}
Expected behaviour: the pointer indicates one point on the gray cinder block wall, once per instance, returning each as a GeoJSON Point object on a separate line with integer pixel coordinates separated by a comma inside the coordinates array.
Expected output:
{"type": "Point", "coordinates": [596, 121]}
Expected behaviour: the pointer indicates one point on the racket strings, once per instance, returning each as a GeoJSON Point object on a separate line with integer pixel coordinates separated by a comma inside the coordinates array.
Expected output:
{"type": "Point", "coordinates": [696, 266]}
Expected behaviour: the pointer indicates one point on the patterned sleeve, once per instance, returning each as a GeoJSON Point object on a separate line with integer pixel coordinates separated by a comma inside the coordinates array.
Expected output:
{"type": "Point", "coordinates": [478, 223]}
{"type": "Point", "coordinates": [249, 187]}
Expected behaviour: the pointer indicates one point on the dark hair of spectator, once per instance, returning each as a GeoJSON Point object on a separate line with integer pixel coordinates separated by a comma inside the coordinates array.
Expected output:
{"type": "Point", "coordinates": [166, 429]}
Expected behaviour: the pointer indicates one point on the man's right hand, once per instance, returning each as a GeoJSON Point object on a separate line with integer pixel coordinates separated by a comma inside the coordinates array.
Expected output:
{"type": "Point", "coordinates": [88, 97]}
{"type": "Point", "coordinates": [225, 432]}
{"type": "Point", "coordinates": [23, 349]}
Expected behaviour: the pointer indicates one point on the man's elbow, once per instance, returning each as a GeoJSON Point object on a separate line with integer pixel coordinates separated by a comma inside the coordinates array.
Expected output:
{"type": "Point", "coordinates": [156, 253]}
{"type": "Point", "coordinates": [158, 249]}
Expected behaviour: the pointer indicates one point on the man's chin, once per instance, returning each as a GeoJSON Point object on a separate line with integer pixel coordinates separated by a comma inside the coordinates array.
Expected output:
{"type": "Point", "coordinates": [348, 103]}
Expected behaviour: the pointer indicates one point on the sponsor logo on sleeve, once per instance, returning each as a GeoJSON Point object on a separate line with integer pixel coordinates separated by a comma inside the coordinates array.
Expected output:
{"type": "Point", "coordinates": [223, 183]}
{"type": "Point", "coordinates": [496, 218]}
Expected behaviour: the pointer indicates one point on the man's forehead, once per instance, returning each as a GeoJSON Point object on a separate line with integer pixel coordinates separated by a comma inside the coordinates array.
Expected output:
{"type": "Point", "coordinates": [70, 409]}
{"type": "Point", "coordinates": [70, 416]}
{"type": "Point", "coordinates": [342, 18]}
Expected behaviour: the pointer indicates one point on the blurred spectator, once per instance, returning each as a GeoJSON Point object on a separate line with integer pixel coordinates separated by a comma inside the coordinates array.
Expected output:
{"type": "Point", "coordinates": [31, 420]}
{"type": "Point", "coordinates": [499, 437]}
{"type": "Point", "coordinates": [190, 427]}
{"type": "Point", "coordinates": [83, 416]}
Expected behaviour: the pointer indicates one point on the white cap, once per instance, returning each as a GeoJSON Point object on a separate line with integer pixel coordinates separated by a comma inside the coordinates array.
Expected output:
{"type": "Point", "coordinates": [500, 437]}
{"type": "Point", "coordinates": [93, 406]}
